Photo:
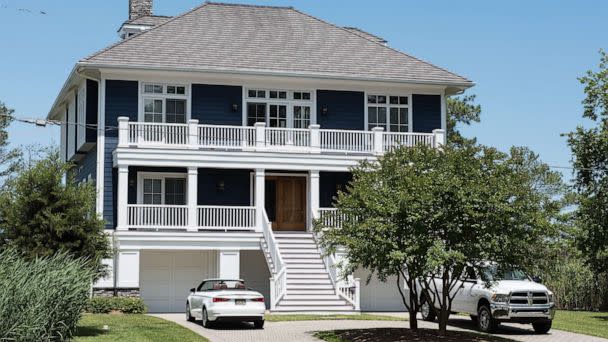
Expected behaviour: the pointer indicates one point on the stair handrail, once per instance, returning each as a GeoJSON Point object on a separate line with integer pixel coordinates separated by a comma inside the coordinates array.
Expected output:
{"type": "Point", "coordinates": [278, 281]}
{"type": "Point", "coordinates": [349, 289]}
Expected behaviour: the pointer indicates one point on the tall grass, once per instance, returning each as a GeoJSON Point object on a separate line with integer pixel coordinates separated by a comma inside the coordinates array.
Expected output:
{"type": "Point", "coordinates": [41, 299]}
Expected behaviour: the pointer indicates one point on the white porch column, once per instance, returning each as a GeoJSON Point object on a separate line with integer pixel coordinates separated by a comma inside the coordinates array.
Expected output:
{"type": "Point", "coordinates": [123, 131]}
{"type": "Point", "coordinates": [378, 141]}
{"type": "Point", "coordinates": [439, 137]}
{"type": "Point", "coordinates": [229, 263]}
{"type": "Point", "coordinates": [192, 194]}
{"type": "Point", "coordinates": [127, 273]}
{"type": "Point", "coordinates": [260, 197]}
{"type": "Point", "coordinates": [122, 198]}
{"type": "Point", "coordinates": [314, 196]}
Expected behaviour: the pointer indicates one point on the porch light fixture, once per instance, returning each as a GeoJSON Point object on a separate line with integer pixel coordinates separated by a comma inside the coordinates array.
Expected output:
{"type": "Point", "coordinates": [324, 110]}
{"type": "Point", "coordinates": [235, 107]}
{"type": "Point", "coordinates": [220, 186]}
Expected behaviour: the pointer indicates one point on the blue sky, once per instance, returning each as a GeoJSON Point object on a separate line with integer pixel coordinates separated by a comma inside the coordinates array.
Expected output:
{"type": "Point", "coordinates": [524, 56]}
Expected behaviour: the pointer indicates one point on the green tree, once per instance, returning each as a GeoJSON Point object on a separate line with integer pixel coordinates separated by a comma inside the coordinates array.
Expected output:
{"type": "Point", "coordinates": [590, 161]}
{"type": "Point", "coordinates": [461, 110]}
{"type": "Point", "coordinates": [421, 213]}
{"type": "Point", "coordinates": [8, 157]}
{"type": "Point", "coordinates": [40, 214]}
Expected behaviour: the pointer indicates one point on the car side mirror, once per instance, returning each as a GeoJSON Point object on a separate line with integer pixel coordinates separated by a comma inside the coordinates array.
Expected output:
{"type": "Point", "coordinates": [537, 279]}
{"type": "Point", "coordinates": [192, 290]}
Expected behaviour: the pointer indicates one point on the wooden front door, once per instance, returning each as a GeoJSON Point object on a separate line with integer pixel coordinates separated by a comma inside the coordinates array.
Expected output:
{"type": "Point", "coordinates": [286, 202]}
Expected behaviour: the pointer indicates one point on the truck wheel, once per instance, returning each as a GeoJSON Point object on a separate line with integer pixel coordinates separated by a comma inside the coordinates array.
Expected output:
{"type": "Point", "coordinates": [485, 322]}
{"type": "Point", "coordinates": [427, 310]}
{"type": "Point", "coordinates": [542, 327]}
{"type": "Point", "coordinates": [189, 316]}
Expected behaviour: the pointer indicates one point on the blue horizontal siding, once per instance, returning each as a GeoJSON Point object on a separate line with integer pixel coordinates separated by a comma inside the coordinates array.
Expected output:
{"type": "Point", "coordinates": [212, 104]}
{"type": "Point", "coordinates": [86, 166]}
{"type": "Point", "coordinates": [329, 183]}
{"type": "Point", "coordinates": [110, 182]}
{"type": "Point", "coordinates": [92, 101]}
{"type": "Point", "coordinates": [121, 100]}
{"type": "Point", "coordinates": [426, 113]}
{"type": "Point", "coordinates": [236, 187]}
{"type": "Point", "coordinates": [345, 109]}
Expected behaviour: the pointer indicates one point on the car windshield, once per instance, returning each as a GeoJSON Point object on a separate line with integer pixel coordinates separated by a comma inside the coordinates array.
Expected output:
{"type": "Point", "coordinates": [221, 284]}
{"type": "Point", "coordinates": [492, 273]}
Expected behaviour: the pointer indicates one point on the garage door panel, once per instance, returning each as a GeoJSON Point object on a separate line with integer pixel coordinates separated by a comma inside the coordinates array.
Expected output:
{"type": "Point", "coordinates": [166, 277]}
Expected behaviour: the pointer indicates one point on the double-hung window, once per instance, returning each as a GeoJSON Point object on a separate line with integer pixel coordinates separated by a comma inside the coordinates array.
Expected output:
{"type": "Point", "coordinates": [391, 112]}
{"type": "Point", "coordinates": [164, 103]}
{"type": "Point", "coordinates": [279, 108]}
{"type": "Point", "coordinates": [158, 190]}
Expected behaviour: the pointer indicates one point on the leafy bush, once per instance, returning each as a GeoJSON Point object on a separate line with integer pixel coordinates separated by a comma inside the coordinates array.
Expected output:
{"type": "Point", "coordinates": [42, 299]}
{"type": "Point", "coordinates": [128, 305]}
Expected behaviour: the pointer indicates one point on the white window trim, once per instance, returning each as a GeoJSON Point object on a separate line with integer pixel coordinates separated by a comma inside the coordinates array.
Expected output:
{"type": "Point", "coordinates": [162, 176]}
{"type": "Point", "coordinates": [289, 102]}
{"type": "Point", "coordinates": [164, 96]}
{"type": "Point", "coordinates": [409, 106]}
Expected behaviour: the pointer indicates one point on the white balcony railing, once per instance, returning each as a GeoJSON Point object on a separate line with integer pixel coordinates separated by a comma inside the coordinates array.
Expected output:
{"type": "Point", "coordinates": [157, 216]}
{"type": "Point", "coordinates": [262, 138]}
{"type": "Point", "coordinates": [227, 218]}
{"type": "Point", "coordinates": [151, 216]}
{"type": "Point", "coordinates": [278, 280]}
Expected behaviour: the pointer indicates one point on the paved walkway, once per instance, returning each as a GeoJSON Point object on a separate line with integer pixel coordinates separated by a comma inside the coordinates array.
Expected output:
{"type": "Point", "coordinates": [301, 331]}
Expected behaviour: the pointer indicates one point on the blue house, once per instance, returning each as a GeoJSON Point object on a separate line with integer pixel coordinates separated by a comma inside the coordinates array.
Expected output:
{"type": "Point", "coordinates": [216, 137]}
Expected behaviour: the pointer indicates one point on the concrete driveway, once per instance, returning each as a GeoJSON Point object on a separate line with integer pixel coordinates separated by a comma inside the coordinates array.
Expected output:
{"type": "Point", "coordinates": [301, 331]}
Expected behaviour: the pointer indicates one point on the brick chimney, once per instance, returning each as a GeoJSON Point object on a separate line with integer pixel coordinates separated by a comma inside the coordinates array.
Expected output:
{"type": "Point", "coordinates": [139, 8]}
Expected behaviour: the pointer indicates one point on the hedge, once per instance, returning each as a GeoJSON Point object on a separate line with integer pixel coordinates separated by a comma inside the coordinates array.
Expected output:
{"type": "Point", "coordinates": [128, 305]}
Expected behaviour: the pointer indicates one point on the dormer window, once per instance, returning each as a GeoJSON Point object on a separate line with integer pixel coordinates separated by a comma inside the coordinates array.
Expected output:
{"type": "Point", "coordinates": [166, 103]}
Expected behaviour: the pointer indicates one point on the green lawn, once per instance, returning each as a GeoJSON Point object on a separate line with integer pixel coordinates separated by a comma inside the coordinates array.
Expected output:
{"type": "Point", "coordinates": [582, 322]}
{"type": "Point", "coordinates": [133, 328]}
{"type": "Point", "coordinates": [358, 317]}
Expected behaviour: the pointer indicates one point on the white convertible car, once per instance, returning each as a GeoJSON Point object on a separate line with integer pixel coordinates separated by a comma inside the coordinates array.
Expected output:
{"type": "Point", "coordinates": [225, 300]}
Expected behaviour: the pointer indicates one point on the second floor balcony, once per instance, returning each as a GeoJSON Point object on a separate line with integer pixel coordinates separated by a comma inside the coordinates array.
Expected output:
{"type": "Point", "coordinates": [259, 138]}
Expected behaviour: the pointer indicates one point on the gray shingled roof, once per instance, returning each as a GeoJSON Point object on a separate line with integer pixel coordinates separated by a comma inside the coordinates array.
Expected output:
{"type": "Point", "coordinates": [365, 34]}
{"type": "Point", "coordinates": [248, 38]}
{"type": "Point", "coordinates": [149, 20]}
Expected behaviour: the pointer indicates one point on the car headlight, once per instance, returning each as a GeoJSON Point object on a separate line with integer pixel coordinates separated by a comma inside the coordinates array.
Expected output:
{"type": "Point", "coordinates": [550, 297]}
{"type": "Point", "coordinates": [500, 298]}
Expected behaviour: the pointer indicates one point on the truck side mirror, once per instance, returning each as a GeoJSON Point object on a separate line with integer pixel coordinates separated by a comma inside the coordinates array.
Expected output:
{"type": "Point", "coordinates": [537, 279]}
{"type": "Point", "coordinates": [192, 290]}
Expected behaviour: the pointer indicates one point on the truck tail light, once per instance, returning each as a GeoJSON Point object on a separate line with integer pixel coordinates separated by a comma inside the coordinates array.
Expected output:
{"type": "Point", "coordinates": [261, 299]}
{"type": "Point", "coordinates": [215, 300]}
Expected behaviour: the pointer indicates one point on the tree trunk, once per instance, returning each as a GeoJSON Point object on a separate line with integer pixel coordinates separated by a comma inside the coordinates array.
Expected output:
{"type": "Point", "coordinates": [413, 321]}
{"type": "Point", "coordinates": [444, 313]}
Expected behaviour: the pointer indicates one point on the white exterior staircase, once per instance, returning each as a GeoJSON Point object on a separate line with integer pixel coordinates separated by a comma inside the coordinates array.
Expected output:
{"type": "Point", "coordinates": [309, 286]}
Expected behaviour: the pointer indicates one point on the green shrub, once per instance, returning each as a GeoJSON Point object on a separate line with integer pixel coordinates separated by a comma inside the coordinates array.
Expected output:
{"type": "Point", "coordinates": [128, 305]}
{"type": "Point", "coordinates": [42, 299]}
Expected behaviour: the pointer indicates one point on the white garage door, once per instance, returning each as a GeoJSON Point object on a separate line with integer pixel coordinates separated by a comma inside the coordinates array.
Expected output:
{"type": "Point", "coordinates": [166, 277]}
{"type": "Point", "coordinates": [378, 295]}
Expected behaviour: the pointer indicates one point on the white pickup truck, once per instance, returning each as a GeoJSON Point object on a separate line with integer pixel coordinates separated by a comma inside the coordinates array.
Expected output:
{"type": "Point", "coordinates": [512, 297]}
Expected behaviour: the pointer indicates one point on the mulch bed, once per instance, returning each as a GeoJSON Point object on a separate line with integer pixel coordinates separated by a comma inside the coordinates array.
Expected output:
{"type": "Point", "coordinates": [402, 334]}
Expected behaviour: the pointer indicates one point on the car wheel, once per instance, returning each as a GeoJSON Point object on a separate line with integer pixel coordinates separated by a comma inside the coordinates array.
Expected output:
{"type": "Point", "coordinates": [189, 316]}
{"type": "Point", "coordinates": [542, 327]}
{"type": "Point", "coordinates": [485, 322]}
{"type": "Point", "coordinates": [206, 322]}
{"type": "Point", "coordinates": [258, 324]}
{"type": "Point", "coordinates": [426, 310]}
{"type": "Point", "coordinates": [474, 319]}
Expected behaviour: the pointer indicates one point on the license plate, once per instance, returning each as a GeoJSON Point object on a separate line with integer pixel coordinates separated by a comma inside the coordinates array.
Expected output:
{"type": "Point", "coordinates": [239, 301]}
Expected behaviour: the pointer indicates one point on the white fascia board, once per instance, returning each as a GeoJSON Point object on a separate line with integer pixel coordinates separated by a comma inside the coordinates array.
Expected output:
{"type": "Point", "coordinates": [159, 157]}
{"type": "Point", "coordinates": [133, 240]}
{"type": "Point", "coordinates": [267, 72]}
